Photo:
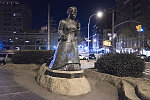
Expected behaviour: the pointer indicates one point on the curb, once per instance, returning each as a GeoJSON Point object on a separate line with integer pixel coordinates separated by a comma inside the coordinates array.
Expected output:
{"type": "Point", "coordinates": [128, 91]}
{"type": "Point", "coordinates": [143, 91]}
{"type": "Point", "coordinates": [128, 88]}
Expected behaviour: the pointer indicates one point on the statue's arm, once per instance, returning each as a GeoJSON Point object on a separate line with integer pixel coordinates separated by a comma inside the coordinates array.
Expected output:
{"type": "Point", "coordinates": [61, 30]}
{"type": "Point", "coordinates": [78, 29]}
{"type": "Point", "coordinates": [61, 27]}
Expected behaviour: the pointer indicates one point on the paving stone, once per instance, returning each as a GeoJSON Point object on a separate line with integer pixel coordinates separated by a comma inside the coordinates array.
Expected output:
{"type": "Point", "coordinates": [10, 90]}
{"type": "Point", "coordinates": [8, 83]}
{"type": "Point", "coordinates": [21, 96]}
{"type": "Point", "coordinates": [6, 74]}
{"type": "Point", "coordinates": [6, 71]}
{"type": "Point", "coordinates": [12, 97]}
{"type": "Point", "coordinates": [6, 78]}
{"type": "Point", "coordinates": [31, 96]}
{"type": "Point", "coordinates": [2, 91]}
{"type": "Point", "coordinates": [14, 89]}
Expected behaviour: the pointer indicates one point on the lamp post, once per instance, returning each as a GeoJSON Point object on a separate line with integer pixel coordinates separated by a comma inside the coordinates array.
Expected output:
{"type": "Point", "coordinates": [49, 38]}
{"type": "Point", "coordinates": [99, 14]}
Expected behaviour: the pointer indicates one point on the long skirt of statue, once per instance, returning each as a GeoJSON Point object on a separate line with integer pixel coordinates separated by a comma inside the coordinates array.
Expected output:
{"type": "Point", "coordinates": [66, 57]}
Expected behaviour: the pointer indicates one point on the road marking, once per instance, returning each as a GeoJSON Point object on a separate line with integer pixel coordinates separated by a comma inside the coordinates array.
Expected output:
{"type": "Point", "coordinates": [147, 72]}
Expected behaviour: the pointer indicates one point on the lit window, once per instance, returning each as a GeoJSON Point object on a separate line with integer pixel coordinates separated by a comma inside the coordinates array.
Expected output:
{"type": "Point", "coordinates": [14, 14]}
{"type": "Point", "coordinates": [27, 41]}
{"type": "Point", "coordinates": [17, 2]}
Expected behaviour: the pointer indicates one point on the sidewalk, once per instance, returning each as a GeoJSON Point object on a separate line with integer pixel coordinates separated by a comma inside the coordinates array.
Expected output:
{"type": "Point", "coordinates": [10, 90]}
{"type": "Point", "coordinates": [26, 79]}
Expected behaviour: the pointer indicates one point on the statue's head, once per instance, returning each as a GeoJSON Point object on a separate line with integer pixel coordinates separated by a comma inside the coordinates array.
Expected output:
{"type": "Point", "coordinates": [72, 12]}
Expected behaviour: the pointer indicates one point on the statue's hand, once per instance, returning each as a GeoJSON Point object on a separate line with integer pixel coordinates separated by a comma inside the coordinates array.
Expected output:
{"type": "Point", "coordinates": [64, 37]}
{"type": "Point", "coordinates": [78, 25]}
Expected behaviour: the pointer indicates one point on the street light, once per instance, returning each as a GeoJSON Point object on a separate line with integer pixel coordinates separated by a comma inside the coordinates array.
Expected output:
{"type": "Point", "coordinates": [99, 14]}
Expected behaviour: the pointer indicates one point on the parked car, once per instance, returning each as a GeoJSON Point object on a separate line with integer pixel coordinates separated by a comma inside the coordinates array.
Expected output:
{"type": "Point", "coordinates": [82, 57]}
{"type": "Point", "coordinates": [5, 58]}
{"type": "Point", "coordinates": [2, 59]}
{"type": "Point", "coordinates": [147, 59]}
{"type": "Point", "coordinates": [92, 56]}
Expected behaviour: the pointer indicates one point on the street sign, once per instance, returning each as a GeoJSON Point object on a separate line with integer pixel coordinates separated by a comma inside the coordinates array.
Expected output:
{"type": "Point", "coordinates": [88, 40]}
{"type": "Point", "coordinates": [107, 43]}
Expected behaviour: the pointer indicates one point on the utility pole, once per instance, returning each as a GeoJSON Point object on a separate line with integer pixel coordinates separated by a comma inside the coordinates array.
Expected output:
{"type": "Point", "coordinates": [143, 43]}
{"type": "Point", "coordinates": [113, 24]}
{"type": "Point", "coordinates": [88, 39]}
{"type": "Point", "coordinates": [49, 45]}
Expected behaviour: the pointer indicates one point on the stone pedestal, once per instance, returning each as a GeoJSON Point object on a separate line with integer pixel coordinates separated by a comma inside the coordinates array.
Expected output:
{"type": "Point", "coordinates": [63, 82]}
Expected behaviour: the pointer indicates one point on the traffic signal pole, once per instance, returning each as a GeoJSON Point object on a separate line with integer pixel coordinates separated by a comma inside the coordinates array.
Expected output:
{"type": "Point", "coordinates": [113, 23]}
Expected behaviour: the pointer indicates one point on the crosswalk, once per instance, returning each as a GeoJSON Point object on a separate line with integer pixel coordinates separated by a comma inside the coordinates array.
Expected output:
{"type": "Point", "coordinates": [147, 71]}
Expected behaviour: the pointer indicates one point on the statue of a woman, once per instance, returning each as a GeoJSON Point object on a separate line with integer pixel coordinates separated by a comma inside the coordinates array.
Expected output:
{"type": "Point", "coordinates": [66, 56]}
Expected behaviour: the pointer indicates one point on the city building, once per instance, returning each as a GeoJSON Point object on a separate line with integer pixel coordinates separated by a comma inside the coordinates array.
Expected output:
{"type": "Point", "coordinates": [96, 39]}
{"type": "Point", "coordinates": [54, 36]}
{"type": "Point", "coordinates": [136, 12]}
{"type": "Point", "coordinates": [29, 41]}
{"type": "Point", "coordinates": [15, 17]}
{"type": "Point", "coordinates": [16, 32]}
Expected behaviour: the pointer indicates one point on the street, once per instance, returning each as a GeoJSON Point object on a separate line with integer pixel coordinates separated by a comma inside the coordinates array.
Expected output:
{"type": "Point", "coordinates": [87, 64]}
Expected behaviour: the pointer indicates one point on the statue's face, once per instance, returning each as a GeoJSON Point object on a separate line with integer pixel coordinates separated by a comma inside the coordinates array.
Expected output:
{"type": "Point", "coordinates": [73, 13]}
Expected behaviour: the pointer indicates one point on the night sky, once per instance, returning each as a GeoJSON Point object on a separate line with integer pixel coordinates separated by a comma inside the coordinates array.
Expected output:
{"type": "Point", "coordinates": [59, 8]}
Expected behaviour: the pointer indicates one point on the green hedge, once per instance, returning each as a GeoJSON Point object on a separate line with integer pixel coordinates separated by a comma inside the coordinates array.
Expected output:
{"type": "Point", "coordinates": [28, 57]}
{"type": "Point", "coordinates": [124, 65]}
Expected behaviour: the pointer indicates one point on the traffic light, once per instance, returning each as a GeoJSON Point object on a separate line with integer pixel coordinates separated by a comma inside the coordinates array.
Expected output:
{"type": "Point", "coordinates": [139, 28]}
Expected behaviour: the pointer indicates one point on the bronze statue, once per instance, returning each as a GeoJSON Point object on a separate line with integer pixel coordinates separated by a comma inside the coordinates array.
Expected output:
{"type": "Point", "coordinates": [66, 56]}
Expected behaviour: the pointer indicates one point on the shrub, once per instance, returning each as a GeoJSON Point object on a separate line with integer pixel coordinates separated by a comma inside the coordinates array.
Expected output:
{"type": "Point", "coordinates": [28, 57]}
{"type": "Point", "coordinates": [124, 65]}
